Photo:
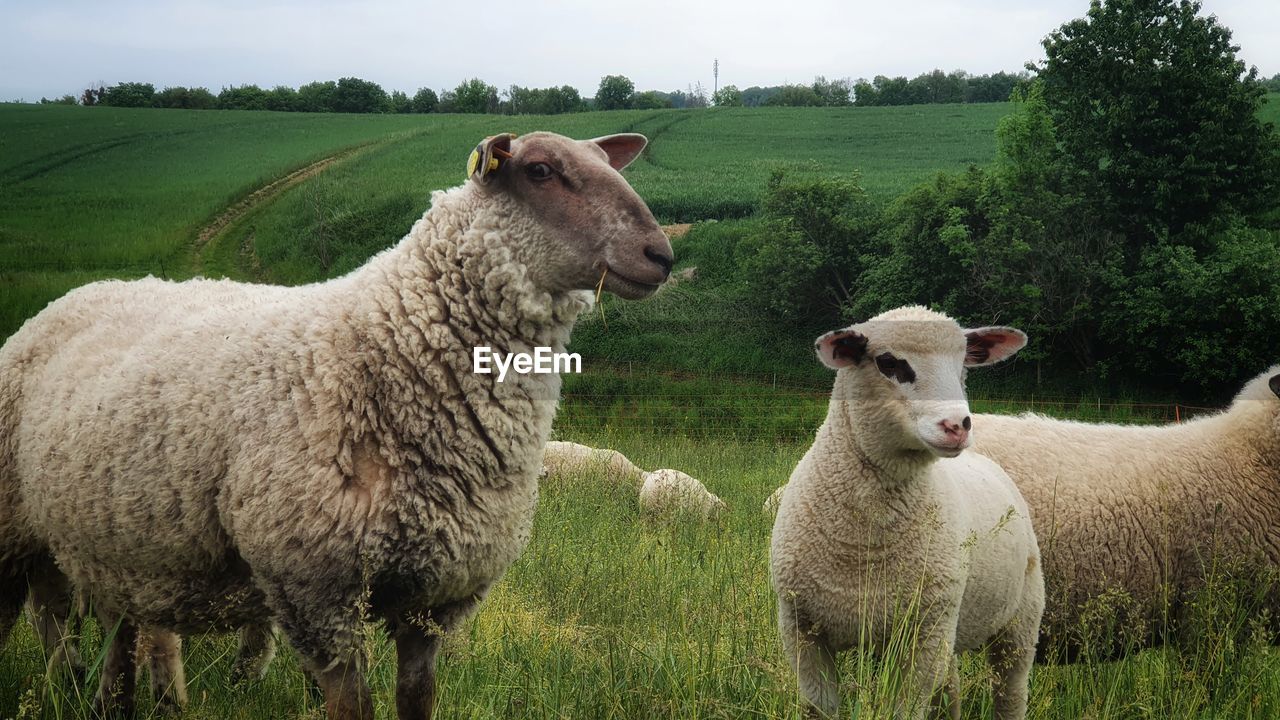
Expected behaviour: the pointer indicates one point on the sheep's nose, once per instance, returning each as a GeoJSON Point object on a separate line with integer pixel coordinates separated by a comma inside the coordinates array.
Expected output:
{"type": "Point", "coordinates": [660, 259]}
{"type": "Point", "coordinates": [957, 432]}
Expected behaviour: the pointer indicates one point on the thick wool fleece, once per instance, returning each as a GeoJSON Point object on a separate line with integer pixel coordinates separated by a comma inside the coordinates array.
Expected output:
{"type": "Point", "coordinates": [1130, 517]}
{"type": "Point", "coordinates": [872, 543]}
{"type": "Point", "coordinates": [308, 454]}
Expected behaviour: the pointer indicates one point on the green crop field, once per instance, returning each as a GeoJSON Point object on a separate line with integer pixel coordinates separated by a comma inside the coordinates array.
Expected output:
{"type": "Point", "coordinates": [607, 614]}
{"type": "Point", "coordinates": [108, 192]}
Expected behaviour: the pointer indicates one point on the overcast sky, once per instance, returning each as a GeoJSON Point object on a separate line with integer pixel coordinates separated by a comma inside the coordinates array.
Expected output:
{"type": "Point", "coordinates": [55, 47]}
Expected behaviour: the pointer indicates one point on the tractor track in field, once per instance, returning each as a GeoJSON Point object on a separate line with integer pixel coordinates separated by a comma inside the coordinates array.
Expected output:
{"type": "Point", "coordinates": [260, 197]}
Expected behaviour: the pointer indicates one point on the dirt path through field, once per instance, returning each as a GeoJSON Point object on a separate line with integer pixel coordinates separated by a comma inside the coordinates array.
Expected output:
{"type": "Point", "coordinates": [266, 192]}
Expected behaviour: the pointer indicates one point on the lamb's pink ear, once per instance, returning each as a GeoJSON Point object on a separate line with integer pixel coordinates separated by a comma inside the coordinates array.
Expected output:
{"type": "Point", "coordinates": [622, 148]}
{"type": "Point", "coordinates": [841, 348]}
{"type": "Point", "coordinates": [990, 345]}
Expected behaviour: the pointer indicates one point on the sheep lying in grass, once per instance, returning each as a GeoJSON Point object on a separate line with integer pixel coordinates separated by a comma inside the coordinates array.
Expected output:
{"type": "Point", "coordinates": [659, 492]}
{"type": "Point", "coordinates": [669, 491]}
{"type": "Point", "coordinates": [1133, 521]}
{"type": "Point", "coordinates": [561, 459]}
{"type": "Point", "coordinates": [879, 544]}
{"type": "Point", "coordinates": [323, 454]}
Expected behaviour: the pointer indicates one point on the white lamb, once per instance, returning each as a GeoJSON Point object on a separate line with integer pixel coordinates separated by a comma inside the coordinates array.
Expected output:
{"type": "Point", "coordinates": [322, 454]}
{"type": "Point", "coordinates": [878, 539]}
{"type": "Point", "coordinates": [669, 491]}
{"type": "Point", "coordinates": [659, 492]}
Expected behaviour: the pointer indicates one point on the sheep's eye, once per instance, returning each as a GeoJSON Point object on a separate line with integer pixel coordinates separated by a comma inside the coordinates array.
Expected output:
{"type": "Point", "coordinates": [540, 171]}
{"type": "Point", "coordinates": [886, 363]}
{"type": "Point", "coordinates": [895, 368]}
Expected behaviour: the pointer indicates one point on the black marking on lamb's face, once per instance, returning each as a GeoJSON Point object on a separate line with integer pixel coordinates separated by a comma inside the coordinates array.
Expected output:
{"type": "Point", "coordinates": [1274, 384]}
{"type": "Point", "coordinates": [978, 347]}
{"type": "Point", "coordinates": [851, 347]}
{"type": "Point", "coordinates": [895, 368]}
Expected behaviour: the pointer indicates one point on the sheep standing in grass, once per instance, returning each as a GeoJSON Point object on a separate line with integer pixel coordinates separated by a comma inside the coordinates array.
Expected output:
{"type": "Point", "coordinates": [1133, 520]}
{"type": "Point", "coordinates": [324, 454]}
{"type": "Point", "coordinates": [879, 543]}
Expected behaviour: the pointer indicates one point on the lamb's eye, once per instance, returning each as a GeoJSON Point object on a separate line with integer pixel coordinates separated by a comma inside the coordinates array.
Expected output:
{"type": "Point", "coordinates": [887, 364]}
{"type": "Point", "coordinates": [540, 171]}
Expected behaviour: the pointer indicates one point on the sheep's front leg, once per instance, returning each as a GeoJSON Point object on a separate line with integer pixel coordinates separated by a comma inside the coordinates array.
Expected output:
{"type": "Point", "coordinates": [1011, 656]}
{"type": "Point", "coordinates": [346, 694]}
{"type": "Point", "coordinates": [418, 640]}
{"type": "Point", "coordinates": [813, 662]}
{"type": "Point", "coordinates": [163, 650]}
{"type": "Point", "coordinates": [119, 671]}
{"type": "Point", "coordinates": [930, 673]}
{"type": "Point", "coordinates": [257, 647]}
{"type": "Point", "coordinates": [946, 699]}
{"type": "Point", "coordinates": [51, 610]}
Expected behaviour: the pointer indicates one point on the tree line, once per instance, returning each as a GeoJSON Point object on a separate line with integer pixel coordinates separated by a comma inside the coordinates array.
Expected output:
{"type": "Point", "coordinates": [615, 92]}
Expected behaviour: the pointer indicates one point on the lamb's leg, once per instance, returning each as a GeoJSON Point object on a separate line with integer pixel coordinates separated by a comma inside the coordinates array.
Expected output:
{"type": "Point", "coordinates": [346, 694]}
{"type": "Point", "coordinates": [418, 640]}
{"type": "Point", "coordinates": [119, 671]}
{"type": "Point", "coordinates": [1012, 654]}
{"type": "Point", "coordinates": [813, 662]}
{"type": "Point", "coordinates": [934, 658]}
{"type": "Point", "coordinates": [163, 650]}
{"type": "Point", "coordinates": [256, 649]}
{"type": "Point", "coordinates": [51, 607]}
{"type": "Point", "coordinates": [1013, 651]}
{"type": "Point", "coordinates": [946, 700]}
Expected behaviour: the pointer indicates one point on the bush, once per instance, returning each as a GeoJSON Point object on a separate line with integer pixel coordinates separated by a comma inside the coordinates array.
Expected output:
{"type": "Point", "coordinates": [805, 262]}
{"type": "Point", "coordinates": [425, 101]}
{"type": "Point", "coordinates": [245, 97]}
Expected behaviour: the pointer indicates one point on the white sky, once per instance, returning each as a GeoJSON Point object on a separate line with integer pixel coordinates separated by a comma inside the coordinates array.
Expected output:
{"type": "Point", "coordinates": [55, 47]}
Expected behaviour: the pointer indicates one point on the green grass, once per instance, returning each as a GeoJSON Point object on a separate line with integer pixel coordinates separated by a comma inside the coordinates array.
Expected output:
{"type": "Point", "coordinates": [611, 615]}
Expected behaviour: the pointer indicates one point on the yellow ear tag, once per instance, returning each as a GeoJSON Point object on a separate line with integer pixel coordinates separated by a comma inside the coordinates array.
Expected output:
{"type": "Point", "coordinates": [473, 162]}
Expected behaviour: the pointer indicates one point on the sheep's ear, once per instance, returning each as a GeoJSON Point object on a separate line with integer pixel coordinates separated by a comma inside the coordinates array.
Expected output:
{"type": "Point", "coordinates": [841, 348]}
{"type": "Point", "coordinates": [990, 345]}
{"type": "Point", "coordinates": [622, 148]}
{"type": "Point", "coordinates": [489, 156]}
{"type": "Point", "coordinates": [1274, 384]}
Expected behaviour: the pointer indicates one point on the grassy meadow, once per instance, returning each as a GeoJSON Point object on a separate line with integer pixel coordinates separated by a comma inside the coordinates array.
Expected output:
{"type": "Point", "coordinates": [607, 614]}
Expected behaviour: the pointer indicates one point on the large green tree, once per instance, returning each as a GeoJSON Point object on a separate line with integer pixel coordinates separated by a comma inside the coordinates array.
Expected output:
{"type": "Point", "coordinates": [1159, 116]}
{"type": "Point", "coordinates": [614, 92]}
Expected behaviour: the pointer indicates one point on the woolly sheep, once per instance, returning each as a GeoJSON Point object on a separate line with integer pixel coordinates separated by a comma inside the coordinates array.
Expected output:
{"type": "Point", "coordinates": [1130, 517]}
{"type": "Point", "coordinates": [321, 454]}
{"type": "Point", "coordinates": [886, 529]}
{"type": "Point", "coordinates": [671, 491]}
{"type": "Point", "coordinates": [659, 492]}
{"type": "Point", "coordinates": [566, 458]}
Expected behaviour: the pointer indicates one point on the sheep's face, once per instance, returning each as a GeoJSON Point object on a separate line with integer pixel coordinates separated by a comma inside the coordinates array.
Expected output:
{"type": "Point", "coordinates": [582, 221]}
{"type": "Point", "coordinates": [906, 369]}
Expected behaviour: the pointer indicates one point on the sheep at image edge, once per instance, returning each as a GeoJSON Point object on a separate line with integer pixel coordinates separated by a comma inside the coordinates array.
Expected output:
{"type": "Point", "coordinates": [660, 492]}
{"type": "Point", "coordinates": [888, 535]}
{"type": "Point", "coordinates": [1132, 518]}
{"type": "Point", "coordinates": [318, 455]}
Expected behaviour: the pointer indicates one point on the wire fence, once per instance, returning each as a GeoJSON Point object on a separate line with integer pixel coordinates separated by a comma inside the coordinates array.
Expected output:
{"type": "Point", "coordinates": [622, 398]}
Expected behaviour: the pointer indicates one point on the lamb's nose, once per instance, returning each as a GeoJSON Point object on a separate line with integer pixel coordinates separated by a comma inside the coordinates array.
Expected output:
{"type": "Point", "coordinates": [660, 259]}
{"type": "Point", "coordinates": [956, 431]}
